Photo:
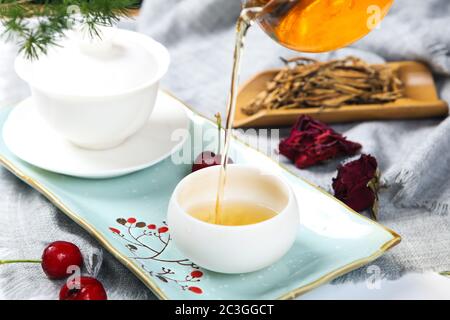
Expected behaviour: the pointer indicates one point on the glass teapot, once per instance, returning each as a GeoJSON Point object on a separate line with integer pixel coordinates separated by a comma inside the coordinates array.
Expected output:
{"type": "Point", "coordinates": [318, 25]}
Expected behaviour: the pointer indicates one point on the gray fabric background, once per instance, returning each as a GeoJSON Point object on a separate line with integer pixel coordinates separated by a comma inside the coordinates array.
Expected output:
{"type": "Point", "coordinates": [414, 156]}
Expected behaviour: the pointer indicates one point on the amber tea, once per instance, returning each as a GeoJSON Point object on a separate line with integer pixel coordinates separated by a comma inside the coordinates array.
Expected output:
{"type": "Point", "coordinates": [233, 213]}
{"type": "Point", "coordinates": [320, 25]}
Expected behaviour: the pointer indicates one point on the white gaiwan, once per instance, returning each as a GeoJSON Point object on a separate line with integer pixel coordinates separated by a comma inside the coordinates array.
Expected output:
{"type": "Point", "coordinates": [97, 93]}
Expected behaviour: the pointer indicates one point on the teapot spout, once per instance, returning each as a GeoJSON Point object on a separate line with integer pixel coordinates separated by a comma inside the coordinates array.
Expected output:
{"type": "Point", "coordinates": [252, 9]}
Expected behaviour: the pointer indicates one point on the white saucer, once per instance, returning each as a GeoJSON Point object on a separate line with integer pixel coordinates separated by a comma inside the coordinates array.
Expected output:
{"type": "Point", "coordinates": [29, 138]}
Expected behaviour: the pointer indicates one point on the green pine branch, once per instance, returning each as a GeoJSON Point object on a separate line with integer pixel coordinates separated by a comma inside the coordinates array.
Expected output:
{"type": "Point", "coordinates": [37, 25]}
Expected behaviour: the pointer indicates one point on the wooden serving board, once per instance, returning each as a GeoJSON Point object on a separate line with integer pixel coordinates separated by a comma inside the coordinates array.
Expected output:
{"type": "Point", "coordinates": [420, 101]}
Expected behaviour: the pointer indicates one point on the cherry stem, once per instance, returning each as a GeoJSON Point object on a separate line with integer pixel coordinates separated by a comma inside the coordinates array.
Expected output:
{"type": "Point", "coordinates": [19, 261]}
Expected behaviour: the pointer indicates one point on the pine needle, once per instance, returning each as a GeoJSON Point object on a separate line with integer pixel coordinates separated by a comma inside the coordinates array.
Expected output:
{"type": "Point", "coordinates": [37, 25]}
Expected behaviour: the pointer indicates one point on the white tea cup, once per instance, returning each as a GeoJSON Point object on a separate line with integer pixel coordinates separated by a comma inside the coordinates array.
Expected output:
{"type": "Point", "coordinates": [234, 249]}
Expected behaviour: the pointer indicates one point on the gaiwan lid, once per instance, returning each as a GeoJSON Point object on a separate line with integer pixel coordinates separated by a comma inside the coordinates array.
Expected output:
{"type": "Point", "coordinates": [120, 61]}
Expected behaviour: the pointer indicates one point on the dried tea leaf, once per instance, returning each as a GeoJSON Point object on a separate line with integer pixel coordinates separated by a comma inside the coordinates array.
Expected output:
{"type": "Point", "coordinates": [308, 83]}
{"type": "Point", "coordinates": [336, 102]}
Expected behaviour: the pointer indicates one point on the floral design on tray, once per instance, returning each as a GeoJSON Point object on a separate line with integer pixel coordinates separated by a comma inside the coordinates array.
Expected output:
{"type": "Point", "coordinates": [149, 242]}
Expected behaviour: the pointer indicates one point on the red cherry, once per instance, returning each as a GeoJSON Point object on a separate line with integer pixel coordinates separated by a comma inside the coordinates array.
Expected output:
{"type": "Point", "coordinates": [196, 274]}
{"type": "Point", "coordinates": [115, 230]}
{"type": "Point", "coordinates": [151, 226]}
{"type": "Point", "coordinates": [204, 160]}
{"type": "Point", "coordinates": [131, 220]}
{"type": "Point", "coordinates": [90, 289]}
{"type": "Point", "coordinates": [58, 256]}
{"type": "Point", "coordinates": [207, 159]}
{"type": "Point", "coordinates": [196, 290]}
{"type": "Point", "coordinates": [163, 229]}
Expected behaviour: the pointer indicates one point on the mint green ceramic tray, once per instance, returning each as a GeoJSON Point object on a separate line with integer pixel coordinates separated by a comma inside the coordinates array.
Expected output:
{"type": "Point", "coordinates": [126, 215]}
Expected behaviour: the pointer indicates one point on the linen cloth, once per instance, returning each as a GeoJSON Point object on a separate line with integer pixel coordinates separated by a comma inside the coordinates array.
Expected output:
{"type": "Point", "coordinates": [414, 156]}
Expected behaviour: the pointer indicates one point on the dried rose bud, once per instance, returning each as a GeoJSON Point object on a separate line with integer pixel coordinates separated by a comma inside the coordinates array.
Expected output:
{"type": "Point", "coordinates": [311, 142]}
{"type": "Point", "coordinates": [357, 184]}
